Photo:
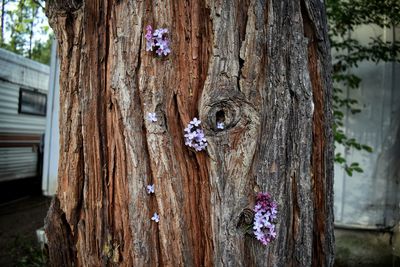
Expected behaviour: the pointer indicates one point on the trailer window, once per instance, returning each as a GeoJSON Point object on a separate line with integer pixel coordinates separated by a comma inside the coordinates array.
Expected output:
{"type": "Point", "coordinates": [32, 102]}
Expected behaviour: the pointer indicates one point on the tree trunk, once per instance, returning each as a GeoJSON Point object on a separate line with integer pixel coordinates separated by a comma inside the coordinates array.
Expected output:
{"type": "Point", "coordinates": [34, 11]}
{"type": "Point", "coordinates": [3, 8]}
{"type": "Point", "coordinates": [261, 66]}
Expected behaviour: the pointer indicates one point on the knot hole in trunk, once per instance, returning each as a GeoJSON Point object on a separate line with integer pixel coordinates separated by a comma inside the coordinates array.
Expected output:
{"type": "Point", "coordinates": [223, 115]}
{"type": "Point", "coordinates": [245, 221]}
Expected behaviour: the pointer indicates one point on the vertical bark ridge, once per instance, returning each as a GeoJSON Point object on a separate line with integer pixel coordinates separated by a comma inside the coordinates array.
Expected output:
{"type": "Point", "coordinates": [94, 130]}
{"type": "Point", "coordinates": [191, 57]}
{"type": "Point", "coordinates": [229, 90]}
{"type": "Point", "coordinates": [66, 207]}
{"type": "Point", "coordinates": [284, 167]}
{"type": "Point", "coordinates": [146, 235]}
{"type": "Point", "coordinates": [321, 180]}
{"type": "Point", "coordinates": [179, 76]}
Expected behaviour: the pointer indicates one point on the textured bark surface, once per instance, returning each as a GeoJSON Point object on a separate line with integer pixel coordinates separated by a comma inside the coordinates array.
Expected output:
{"type": "Point", "coordinates": [261, 66]}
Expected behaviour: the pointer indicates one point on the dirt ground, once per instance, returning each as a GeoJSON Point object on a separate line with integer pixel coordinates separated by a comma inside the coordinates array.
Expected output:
{"type": "Point", "coordinates": [19, 220]}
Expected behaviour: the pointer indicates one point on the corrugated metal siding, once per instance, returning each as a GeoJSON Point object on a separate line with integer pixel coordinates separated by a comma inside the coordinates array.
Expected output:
{"type": "Point", "coordinates": [371, 198]}
{"type": "Point", "coordinates": [10, 120]}
{"type": "Point", "coordinates": [9, 98]}
{"type": "Point", "coordinates": [17, 72]}
{"type": "Point", "coordinates": [17, 163]}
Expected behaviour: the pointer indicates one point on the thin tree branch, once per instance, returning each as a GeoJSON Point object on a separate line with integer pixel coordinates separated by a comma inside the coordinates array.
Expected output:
{"type": "Point", "coordinates": [38, 3]}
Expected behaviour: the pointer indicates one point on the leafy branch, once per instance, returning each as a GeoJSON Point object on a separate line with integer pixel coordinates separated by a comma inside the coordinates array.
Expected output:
{"type": "Point", "coordinates": [344, 17]}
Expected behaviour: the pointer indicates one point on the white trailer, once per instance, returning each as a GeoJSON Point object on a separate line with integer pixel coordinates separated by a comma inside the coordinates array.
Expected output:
{"type": "Point", "coordinates": [23, 99]}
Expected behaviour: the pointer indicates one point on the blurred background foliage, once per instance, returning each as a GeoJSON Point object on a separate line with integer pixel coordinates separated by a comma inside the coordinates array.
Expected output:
{"type": "Point", "coordinates": [24, 29]}
{"type": "Point", "coordinates": [345, 16]}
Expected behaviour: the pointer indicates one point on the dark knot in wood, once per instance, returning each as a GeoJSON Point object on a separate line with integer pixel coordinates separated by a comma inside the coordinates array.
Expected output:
{"type": "Point", "coordinates": [245, 221]}
{"type": "Point", "coordinates": [226, 111]}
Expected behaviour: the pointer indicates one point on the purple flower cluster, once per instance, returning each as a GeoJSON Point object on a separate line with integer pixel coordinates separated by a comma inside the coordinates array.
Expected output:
{"type": "Point", "coordinates": [157, 40]}
{"type": "Point", "coordinates": [194, 135]}
{"type": "Point", "coordinates": [265, 214]}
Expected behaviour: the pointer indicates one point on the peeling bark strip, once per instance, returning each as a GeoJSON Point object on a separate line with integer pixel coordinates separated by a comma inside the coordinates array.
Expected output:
{"type": "Point", "coordinates": [257, 66]}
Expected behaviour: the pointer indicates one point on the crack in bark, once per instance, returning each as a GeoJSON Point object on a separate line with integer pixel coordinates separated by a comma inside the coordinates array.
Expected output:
{"type": "Point", "coordinates": [153, 201]}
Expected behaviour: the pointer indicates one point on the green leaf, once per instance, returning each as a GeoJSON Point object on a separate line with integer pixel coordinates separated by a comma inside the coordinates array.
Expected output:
{"type": "Point", "coordinates": [358, 169]}
{"type": "Point", "coordinates": [349, 171]}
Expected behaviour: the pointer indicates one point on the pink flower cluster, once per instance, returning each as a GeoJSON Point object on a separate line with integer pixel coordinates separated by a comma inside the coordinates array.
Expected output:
{"type": "Point", "coordinates": [194, 135]}
{"type": "Point", "coordinates": [157, 40]}
{"type": "Point", "coordinates": [265, 214]}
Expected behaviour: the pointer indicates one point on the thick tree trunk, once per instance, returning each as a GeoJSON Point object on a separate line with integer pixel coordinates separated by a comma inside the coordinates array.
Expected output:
{"type": "Point", "coordinates": [261, 66]}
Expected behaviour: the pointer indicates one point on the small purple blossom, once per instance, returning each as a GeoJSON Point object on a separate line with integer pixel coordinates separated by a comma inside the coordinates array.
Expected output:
{"type": "Point", "coordinates": [199, 136]}
{"type": "Point", "coordinates": [191, 135]}
{"type": "Point", "coordinates": [150, 189]}
{"type": "Point", "coordinates": [195, 122]}
{"type": "Point", "coordinates": [157, 40]}
{"type": "Point", "coordinates": [155, 217]}
{"type": "Point", "coordinates": [220, 125]}
{"type": "Point", "coordinates": [151, 117]}
{"type": "Point", "coordinates": [149, 34]}
{"type": "Point", "coordinates": [159, 33]}
{"type": "Point", "coordinates": [265, 214]}
{"type": "Point", "coordinates": [162, 52]}
{"type": "Point", "coordinates": [188, 129]}
{"type": "Point", "coordinates": [194, 136]}
{"type": "Point", "coordinates": [149, 46]}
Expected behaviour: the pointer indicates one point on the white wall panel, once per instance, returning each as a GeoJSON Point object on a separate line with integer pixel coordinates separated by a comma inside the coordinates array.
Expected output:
{"type": "Point", "coordinates": [371, 198]}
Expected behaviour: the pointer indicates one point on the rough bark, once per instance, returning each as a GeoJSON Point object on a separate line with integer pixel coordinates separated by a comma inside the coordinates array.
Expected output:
{"type": "Point", "coordinates": [262, 66]}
